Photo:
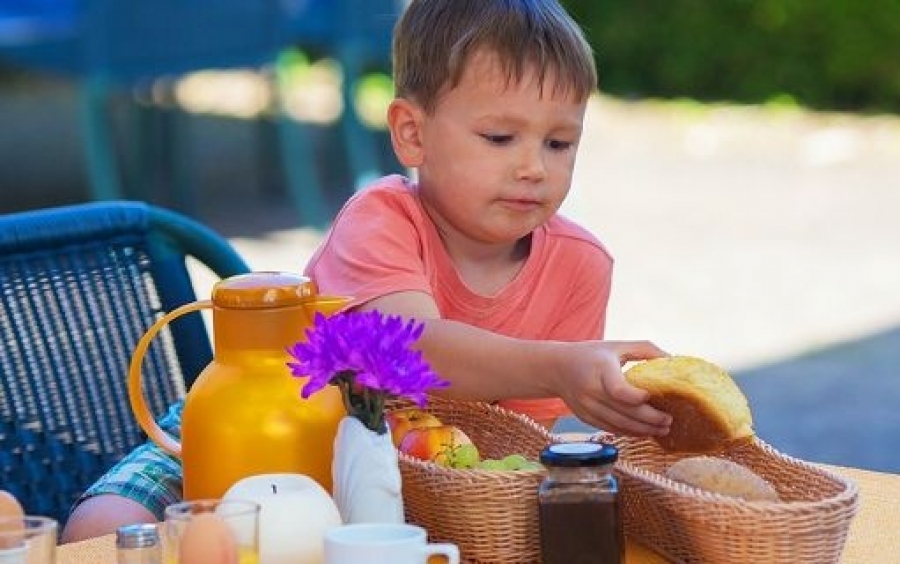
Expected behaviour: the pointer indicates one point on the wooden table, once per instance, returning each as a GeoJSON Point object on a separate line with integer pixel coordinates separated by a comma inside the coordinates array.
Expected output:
{"type": "Point", "coordinates": [873, 535]}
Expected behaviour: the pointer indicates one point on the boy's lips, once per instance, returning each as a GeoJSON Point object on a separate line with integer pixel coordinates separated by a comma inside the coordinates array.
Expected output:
{"type": "Point", "coordinates": [521, 204]}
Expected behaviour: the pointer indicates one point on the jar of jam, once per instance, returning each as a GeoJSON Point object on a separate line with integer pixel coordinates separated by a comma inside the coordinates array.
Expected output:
{"type": "Point", "coordinates": [580, 517]}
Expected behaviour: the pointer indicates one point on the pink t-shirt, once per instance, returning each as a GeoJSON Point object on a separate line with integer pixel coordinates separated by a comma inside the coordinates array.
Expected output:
{"type": "Point", "coordinates": [382, 242]}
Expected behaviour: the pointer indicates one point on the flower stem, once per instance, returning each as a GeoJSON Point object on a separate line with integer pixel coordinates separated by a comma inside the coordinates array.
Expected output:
{"type": "Point", "coordinates": [361, 402]}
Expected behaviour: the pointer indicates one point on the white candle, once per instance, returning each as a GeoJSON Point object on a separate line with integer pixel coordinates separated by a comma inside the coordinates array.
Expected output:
{"type": "Point", "coordinates": [294, 513]}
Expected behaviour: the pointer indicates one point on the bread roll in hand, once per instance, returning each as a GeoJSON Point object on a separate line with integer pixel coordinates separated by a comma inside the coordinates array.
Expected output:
{"type": "Point", "coordinates": [708, 410]}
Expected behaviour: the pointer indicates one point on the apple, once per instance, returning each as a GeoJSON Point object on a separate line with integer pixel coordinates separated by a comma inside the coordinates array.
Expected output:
{"type": "Point", "coordinates": [446, 445]}
{"type": "Point", "coordinates": [400, 421]}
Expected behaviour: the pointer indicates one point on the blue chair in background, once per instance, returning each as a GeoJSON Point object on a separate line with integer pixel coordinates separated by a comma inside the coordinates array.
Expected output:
{"type": "Point", "coordinates": [113, 46]}
{"type": "Point", "coordinates": [357, 34]}
{"type": "Point", "coordinates": [79, 285]}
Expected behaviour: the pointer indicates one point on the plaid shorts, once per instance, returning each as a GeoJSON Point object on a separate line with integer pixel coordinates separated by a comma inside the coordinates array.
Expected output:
{"type": "Point", "coordinates": [147, 475]}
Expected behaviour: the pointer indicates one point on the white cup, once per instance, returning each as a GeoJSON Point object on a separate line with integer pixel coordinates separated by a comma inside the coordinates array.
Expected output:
{"type": "Point", "coordinates": [383, 543]}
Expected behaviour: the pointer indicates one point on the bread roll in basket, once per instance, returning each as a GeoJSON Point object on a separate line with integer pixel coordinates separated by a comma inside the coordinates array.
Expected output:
{"type": "Point", "coordinates": [689, 508]}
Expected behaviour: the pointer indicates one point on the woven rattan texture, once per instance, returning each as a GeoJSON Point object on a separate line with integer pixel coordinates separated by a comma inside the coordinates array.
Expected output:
{"type": "Point", "coordinates": [68, 323]}
{"type": "Point", "coordinates": [79, 285]}
{"type": "Point", "coordinates": [685, 524]}
{"type": "Point", "coordinates": [492, 516]}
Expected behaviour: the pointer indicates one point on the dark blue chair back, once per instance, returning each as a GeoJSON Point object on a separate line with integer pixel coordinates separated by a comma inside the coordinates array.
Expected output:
{"type": "Point", "coordinates": [79, 285]}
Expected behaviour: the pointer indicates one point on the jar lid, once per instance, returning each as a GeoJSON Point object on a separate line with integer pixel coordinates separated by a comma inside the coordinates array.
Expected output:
{"type": "Point", "coordinates": [263, 289]}
{"type": "Point", "coordinates": [140, 535]}
{"type": "Point", "coordinates": [579, 454]}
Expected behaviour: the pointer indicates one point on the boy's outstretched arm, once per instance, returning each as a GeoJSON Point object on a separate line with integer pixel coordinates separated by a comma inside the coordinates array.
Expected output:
{"type": "Point", "coordinates": [486, 366]}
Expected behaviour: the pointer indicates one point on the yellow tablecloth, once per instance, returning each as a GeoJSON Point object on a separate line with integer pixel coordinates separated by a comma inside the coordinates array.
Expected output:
{"type": "Point", "coordinates": [873, 535]}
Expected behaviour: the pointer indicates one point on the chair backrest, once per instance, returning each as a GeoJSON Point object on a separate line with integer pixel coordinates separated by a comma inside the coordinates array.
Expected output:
{"type": "Point", "coordinates": [79, 285]}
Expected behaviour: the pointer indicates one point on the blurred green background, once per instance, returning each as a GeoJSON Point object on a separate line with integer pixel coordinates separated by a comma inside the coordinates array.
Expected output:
{"type": "Point", "coordinates": [823, 54]}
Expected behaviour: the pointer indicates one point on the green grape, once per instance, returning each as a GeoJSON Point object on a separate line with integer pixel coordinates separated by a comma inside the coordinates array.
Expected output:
{"type": "Point", "coordinates": [464, 456]}
{"type": "Point", "coordinates": [515, 462]}
{"type": "Point", "coordinates": [491, 464]}
{"type": "Point", "coordinates": [531, 465]}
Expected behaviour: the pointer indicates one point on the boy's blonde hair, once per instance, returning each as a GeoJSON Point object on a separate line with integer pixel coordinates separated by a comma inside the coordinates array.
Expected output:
{"type": "Point", "coordinates": [434, 39]}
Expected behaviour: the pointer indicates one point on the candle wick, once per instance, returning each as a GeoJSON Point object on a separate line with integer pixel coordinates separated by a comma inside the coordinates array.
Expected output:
{"type": "Point", "coordinates": [274, 489]}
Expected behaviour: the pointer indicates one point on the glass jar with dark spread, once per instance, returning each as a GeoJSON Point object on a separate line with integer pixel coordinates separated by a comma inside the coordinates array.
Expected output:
{"type": "Point", "coordinates": [580, 517]}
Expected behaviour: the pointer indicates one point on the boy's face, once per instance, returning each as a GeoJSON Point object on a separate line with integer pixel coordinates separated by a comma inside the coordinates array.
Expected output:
{"type": "Point", "coordinates": [496, 158]}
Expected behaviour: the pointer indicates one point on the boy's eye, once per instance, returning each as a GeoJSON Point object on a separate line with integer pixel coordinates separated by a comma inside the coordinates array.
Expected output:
{"type": "Point", "coordinates": [557, 145]}
{"type": "Point", "coordinates": [496, 139]}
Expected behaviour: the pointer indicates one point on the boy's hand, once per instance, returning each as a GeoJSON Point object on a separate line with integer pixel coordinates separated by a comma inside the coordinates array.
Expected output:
{"type": "Point", "coordinates": [597, 393]}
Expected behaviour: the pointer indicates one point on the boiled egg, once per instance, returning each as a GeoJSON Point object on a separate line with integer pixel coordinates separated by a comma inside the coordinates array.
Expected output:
{"type": "Point", "coordinates": [207, 539]}
{"type": "Point", "coordinates": [10, 520]}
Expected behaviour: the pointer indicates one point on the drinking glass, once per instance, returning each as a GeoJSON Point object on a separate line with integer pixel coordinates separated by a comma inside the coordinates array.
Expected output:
{"type": "Point", "coordinates": [241, 518]}
{"type": "Point", "coordinates": [28, 540]}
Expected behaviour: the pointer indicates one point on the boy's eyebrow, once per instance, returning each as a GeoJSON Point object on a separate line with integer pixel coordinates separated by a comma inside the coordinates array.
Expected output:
{"type": "Point", "coordinates": [504, 118]}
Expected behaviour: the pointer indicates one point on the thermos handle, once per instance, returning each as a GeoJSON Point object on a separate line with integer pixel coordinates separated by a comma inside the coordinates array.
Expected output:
{"type": "Point", "coordinates": [135, 391]}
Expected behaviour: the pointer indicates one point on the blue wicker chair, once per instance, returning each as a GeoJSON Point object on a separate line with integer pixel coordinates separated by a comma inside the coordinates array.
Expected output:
{"type": "Point", "coordinates": [78, 287]}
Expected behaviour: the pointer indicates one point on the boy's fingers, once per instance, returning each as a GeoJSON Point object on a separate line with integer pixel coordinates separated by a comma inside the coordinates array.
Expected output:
{"type": "Point", "coordinates": [645, 421]}
{"type": "Point", "coordinates": [636, 350]}
{"type": "Point", "coordinates": [621, 391]}
{"type": "Point", "coordinates": [635, 402]}
{"type": "Point", "coordinates": [614, 381]}
{"type": "Point", "coordinates": [649, 414]}
{"type": "Point", "coordinates": [617, 388]}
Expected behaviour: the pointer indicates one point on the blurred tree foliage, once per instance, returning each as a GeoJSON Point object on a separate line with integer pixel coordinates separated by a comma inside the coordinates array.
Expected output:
{"type": "Point", "coordinates": [826, 54]}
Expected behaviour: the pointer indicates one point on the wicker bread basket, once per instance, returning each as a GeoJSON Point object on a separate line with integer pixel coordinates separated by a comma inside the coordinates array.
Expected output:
{"type": "Point", "coordinates": [686, 524]}
{"type": "Point", "coordinates": [493, 516]}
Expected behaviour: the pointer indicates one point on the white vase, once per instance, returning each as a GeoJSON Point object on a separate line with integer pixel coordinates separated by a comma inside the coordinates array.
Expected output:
{"type": "Point", "coordinates": [366, 475]}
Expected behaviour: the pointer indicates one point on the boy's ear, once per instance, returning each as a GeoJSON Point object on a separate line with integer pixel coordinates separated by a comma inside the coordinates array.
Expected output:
{"type": "Point", "coordinates": [405, 123]}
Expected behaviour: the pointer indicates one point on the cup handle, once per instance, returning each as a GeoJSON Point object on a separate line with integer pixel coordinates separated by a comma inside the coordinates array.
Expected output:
{"type": "Point", "coordinates": [135, 390]}
{"type": "Point", "coordinates": [451, 551]}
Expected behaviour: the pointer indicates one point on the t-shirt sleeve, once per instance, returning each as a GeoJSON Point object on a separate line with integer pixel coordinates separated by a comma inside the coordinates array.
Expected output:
{"type": "Point", "coordinates": [374, 248]}
{"type": "Point", "coordinates": [583, 313]}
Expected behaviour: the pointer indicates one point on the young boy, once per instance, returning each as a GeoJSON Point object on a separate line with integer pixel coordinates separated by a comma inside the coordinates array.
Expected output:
{"type": "Point", "coordinates": [489, 110]}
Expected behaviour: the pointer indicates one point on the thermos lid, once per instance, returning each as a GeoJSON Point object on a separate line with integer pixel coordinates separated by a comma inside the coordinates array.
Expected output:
{"type": "Point", "coordinates": [264, 289]}
{"type": "Point", "coordinates": [579, 454]}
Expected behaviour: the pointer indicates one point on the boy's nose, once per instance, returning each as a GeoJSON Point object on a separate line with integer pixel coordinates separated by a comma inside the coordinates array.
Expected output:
{"type": "Point", "coordinates": [531, 164]}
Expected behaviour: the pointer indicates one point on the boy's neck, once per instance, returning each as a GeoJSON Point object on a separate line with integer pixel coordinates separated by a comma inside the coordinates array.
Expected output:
{"type": "Point", "coordinates": [487, 269]}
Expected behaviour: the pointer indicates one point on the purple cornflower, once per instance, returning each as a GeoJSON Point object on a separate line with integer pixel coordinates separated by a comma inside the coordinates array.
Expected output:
{"type": "Point", "coordinates": [368, 356]}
